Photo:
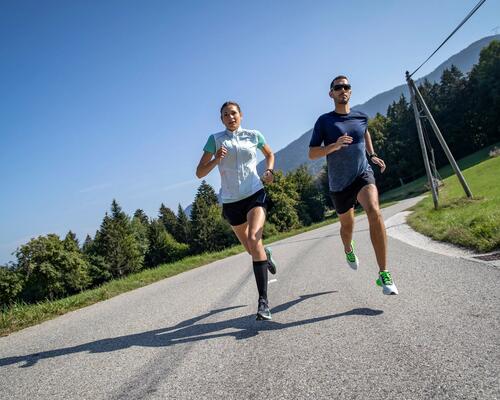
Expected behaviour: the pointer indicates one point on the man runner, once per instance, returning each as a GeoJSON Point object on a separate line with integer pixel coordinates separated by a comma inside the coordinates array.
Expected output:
{"type": "Point", "coordinates": [342, 136]}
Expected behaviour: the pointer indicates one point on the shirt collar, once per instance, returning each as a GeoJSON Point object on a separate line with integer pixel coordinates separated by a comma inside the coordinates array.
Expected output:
{"type": "Point", "coordinates": [237, 131]}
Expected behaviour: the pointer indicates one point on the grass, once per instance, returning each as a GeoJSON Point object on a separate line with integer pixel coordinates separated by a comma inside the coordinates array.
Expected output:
{"type": "Point", "coordinates": [418, 186]}
{"type": "Point", "coordinates": [471, 223]}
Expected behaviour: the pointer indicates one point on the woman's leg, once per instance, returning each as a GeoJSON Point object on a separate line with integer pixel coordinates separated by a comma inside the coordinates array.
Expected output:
{"type": "Point", "coordinates": [256, 218]}
{"type": "Point", "coordinates": [241, 232]}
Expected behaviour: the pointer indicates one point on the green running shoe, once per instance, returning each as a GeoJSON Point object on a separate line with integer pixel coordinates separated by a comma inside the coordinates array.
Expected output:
{"type": "Point", "coordinates": [271, 264]}
{"type": "Point", "coordinates": [351, 258]}
{"type": "Point", "coordinates": [388, 285]}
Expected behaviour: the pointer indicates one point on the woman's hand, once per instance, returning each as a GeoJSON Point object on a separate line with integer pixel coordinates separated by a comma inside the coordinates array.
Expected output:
{"type": "Point", "coordinates": [268, 176]}
{"type": "Point", "coordinates": [220, 154]}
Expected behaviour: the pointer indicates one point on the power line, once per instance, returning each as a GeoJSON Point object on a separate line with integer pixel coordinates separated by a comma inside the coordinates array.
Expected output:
{"type": "Point", "coordinates": [452, 33]}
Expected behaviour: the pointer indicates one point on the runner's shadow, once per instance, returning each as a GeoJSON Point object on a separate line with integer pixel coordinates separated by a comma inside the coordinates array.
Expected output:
{"type": "Point", "coordinates": [189, 331]}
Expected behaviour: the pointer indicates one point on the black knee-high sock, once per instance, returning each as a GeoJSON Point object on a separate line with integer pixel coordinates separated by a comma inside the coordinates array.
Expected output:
{"type": "Point", "coordinates": [260, 272]}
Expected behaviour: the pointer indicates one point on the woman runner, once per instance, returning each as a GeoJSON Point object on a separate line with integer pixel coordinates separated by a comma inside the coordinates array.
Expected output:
{"type": "Point", "coordinates": [244, 203]}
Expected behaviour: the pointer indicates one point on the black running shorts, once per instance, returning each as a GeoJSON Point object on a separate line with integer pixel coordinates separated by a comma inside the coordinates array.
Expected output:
{"type": "Point", "coordinates": [236, 213]}
{"type": "Point", "coordinates": [347, 198]}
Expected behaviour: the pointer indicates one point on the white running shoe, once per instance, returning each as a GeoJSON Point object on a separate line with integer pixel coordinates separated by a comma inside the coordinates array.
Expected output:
{"type": "Point", "coordinates": [351, 258]}
{"type": "Point", "coordinates": [388, 285]}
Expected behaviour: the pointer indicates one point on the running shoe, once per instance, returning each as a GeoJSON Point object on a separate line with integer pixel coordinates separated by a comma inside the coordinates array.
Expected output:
{"type": "Point", "coordinates": [351, 258]}
{"type": "Point", "coordinates": [388, 285]}
{"type": "Point", "coordinates": [271, 264]}
{"type": "Point", "coordinates": [263, 312]}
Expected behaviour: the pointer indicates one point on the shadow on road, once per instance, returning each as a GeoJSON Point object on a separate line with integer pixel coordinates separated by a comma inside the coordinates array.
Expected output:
{"type": "Point", "coordinates": [189, 331]}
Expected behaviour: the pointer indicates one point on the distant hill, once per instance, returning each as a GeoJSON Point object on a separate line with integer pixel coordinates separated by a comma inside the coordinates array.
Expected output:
{"type": "Point", "coordinates": [295, 154]}
{"type": "Point", "coordinates": [463, 61]}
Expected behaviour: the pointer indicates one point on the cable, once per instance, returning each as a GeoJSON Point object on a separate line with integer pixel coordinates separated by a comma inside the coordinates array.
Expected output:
{"type": "Point", "coordinates": [452, 33]}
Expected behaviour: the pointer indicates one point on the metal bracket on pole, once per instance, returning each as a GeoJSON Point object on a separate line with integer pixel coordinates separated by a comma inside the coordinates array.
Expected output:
{"type": "Point", "coordinates": [430, 177]}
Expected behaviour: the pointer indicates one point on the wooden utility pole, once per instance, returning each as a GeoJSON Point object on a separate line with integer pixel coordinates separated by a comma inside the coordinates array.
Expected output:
{"type": "Point", "coordinates": [417, 97]}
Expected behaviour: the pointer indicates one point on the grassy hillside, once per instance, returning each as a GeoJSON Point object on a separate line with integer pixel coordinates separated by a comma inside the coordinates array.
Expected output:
{"type": "Point", "coordinates": [472, 223]}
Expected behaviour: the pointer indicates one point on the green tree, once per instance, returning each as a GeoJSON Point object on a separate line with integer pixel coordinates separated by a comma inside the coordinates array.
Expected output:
{"type": "Point", "coordinates": [70, 242]}
{"type": "Point", "coordinates": [284, 199]}
{"type": "Point", "coordinates": [163, 248]}
{"type": "Point", "coordinates": [50, 270]}
{"type": "Point", "coordinates": [182, 226]}
{"type": "Point", "coordinates": [483, 96]}
{"type": "Point", "coordinates": [116, 242]}
{"type": "Point", "coordinates": [141, 216]}
{"type": "Point", "coordinates": [168, 218]}
{"type": "Point", "coordinates": [209, 232]}
{"type": "Point", "coordinates": [140, 225]}
{"type": "Point", "coordinates": [311, 204]}
{"type": "Point", "coordinates": [11, 285]}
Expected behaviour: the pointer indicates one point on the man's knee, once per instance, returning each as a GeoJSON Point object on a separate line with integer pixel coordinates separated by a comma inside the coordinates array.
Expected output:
{"type": "Point", "coordinates": [373, 211]}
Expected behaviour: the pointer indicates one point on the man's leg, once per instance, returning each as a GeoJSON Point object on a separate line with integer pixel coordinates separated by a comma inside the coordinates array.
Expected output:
{"type": "Point", "coordinates": [346, 228]}
{"type": "Point", "coordinates": [368, 198]}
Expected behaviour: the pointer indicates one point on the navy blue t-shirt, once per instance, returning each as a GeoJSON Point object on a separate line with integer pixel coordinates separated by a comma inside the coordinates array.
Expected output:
{"type": "Point", "coordinates": [346, 164]}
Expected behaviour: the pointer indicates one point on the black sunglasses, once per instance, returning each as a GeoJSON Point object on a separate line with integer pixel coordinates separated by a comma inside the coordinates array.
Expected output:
{"type": "Point", "coordinates": [338, 87]}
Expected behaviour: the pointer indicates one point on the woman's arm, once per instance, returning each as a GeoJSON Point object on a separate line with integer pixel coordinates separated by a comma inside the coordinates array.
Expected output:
{"type": "Point", "coordinates": [269, 155]}
{"type": "Point", "coordinates": [207, 164]}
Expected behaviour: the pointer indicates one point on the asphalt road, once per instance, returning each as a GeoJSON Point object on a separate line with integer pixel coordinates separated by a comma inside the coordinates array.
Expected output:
{"type": "Point", "coordinates": [334, 335]}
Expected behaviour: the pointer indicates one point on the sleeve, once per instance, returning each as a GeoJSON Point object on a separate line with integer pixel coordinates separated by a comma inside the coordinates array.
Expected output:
{"type": "Point", "coordinates": [261, 140]}
{"type": "Point", "coordinates": [210, 145]}
{"type": "Point", "coordinates": [317, 135]}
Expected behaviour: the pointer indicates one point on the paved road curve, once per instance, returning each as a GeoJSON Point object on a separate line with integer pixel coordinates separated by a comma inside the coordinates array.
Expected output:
{"type": "Point", "coordinates": [334, 335]}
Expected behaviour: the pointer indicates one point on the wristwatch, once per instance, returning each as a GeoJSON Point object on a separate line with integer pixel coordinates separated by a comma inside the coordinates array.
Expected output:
{"type": "Point", "coordinates": [270, 170]}
{"type": "Point", "coordinates": [370, 156]}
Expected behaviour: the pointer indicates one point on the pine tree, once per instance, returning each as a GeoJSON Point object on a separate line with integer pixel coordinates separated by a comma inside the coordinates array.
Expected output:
{"type": "Point", "coordinates": [163, 248]}
{"type": "Point", "coordinates": [168, 218]}
{"type": "Point", "coordinates": [182, 226]}
{"type": "Point", "coordinates": [117, 243]}
{"type": "Point", "coordinates": [208, 231]}
{"type": "Point", "coordinates": [70, 242]}
{"type": "Point", "coordinates": [141, 216]}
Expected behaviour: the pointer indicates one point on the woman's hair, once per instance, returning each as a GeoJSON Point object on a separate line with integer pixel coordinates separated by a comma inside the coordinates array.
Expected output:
{"type": "Point", "coordinates": [230, 103]}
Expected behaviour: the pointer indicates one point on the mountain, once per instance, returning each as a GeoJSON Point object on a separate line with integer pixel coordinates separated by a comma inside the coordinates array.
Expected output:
{"type": "Point", "coordinates": [463, 61]}
{"type": "Point", "coordinates": [295, 154]}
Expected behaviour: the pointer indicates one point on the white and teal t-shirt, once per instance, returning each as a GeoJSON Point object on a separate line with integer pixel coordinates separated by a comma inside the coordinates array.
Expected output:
{"type": "Point", "coordinates": [238, 169]}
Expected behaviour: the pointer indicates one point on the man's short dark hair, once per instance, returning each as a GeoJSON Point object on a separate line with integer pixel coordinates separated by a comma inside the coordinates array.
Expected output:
{"type": "Point", "coordinates": [336, 79]}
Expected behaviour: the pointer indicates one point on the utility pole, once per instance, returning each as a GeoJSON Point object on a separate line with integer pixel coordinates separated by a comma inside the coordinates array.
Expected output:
{"type": "Point", "coordinates": [430, 177]}
{"type": "Point", "coordinates": [417, 97]}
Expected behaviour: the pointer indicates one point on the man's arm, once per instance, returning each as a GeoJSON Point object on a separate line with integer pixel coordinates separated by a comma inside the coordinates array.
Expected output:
{"type": "Point", "coordinates": [369, 149]}
{"type": "Point", "coordinates": [316, 152]}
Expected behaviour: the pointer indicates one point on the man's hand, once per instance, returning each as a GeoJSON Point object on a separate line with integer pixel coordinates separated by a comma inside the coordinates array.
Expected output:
{"type": "Point", "coordinates": [379, 162]}
{"type": "Point", "coordinates": [343, 141]}
{"type": "Point", "coordinates": [221, 153]}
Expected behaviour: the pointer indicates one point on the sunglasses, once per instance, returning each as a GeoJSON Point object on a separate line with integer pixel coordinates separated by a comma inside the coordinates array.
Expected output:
{"type": "Point", "coordinates": [339, 87]}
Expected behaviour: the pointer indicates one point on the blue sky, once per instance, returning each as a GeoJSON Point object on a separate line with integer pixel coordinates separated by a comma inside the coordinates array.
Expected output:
{"type": "Point", "coordinates": [115, 99]}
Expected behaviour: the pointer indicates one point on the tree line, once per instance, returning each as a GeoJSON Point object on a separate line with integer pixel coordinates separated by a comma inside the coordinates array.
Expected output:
{"type": "Point", "coordinates": [49, 267]}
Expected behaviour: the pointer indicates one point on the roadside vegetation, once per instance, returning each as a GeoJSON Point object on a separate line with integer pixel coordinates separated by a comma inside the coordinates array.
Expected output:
{"type": "Point", "coordinates": [471, 223]}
